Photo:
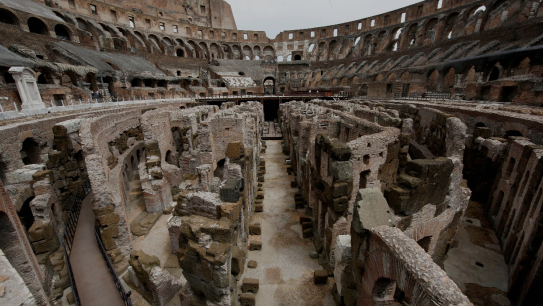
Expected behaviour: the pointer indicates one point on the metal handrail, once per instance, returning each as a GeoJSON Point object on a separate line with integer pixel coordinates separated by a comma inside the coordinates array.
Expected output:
{"type": "Point", "coordinates": [124, 295]}
{"type": "Point", "coordinates": [68, 235]}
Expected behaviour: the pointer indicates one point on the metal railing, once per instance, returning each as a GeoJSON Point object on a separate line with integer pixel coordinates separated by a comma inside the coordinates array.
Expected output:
{"type": "Point", "coordinates": [124, 295]}
{"type": "Point", "coordinates": [431, 95]}
{"type": "Point", "coordinates": [70, 226]}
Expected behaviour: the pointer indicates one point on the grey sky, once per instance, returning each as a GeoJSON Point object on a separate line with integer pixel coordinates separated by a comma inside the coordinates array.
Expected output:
{"type": "Point", "coordinates": [274, 16]}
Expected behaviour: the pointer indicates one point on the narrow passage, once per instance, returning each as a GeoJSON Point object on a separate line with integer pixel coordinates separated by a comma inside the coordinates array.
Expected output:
{"type": "Point", "coordinates": [94, 282]}
{"type": "Point", "coordinates": [284, 269]}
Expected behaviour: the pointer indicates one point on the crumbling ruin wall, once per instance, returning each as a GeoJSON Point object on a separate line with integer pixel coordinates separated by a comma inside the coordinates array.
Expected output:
{"type": "Point", "coordinates": [209, 229]}
{"type": "Point", "coordinates": [420, 193]}
{"type": "Point", "coordinates": [514, 208]}
{"type": "Point", "coordinates": [395, 269]}
{"type": "Point", "coordinates": [104, 141]}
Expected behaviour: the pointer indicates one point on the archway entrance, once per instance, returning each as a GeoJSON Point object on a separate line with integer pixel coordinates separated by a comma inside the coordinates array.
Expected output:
{"type": "Point", "coordinates": [269, 85]}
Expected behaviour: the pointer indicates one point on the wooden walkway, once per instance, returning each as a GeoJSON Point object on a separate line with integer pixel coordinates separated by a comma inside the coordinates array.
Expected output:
{"type": "Point", "coordinates": [94, 282]}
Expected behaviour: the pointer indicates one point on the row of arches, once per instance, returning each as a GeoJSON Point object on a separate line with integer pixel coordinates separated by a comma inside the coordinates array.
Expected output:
{"type": "Point", "coordinates": [414, 34]}
{"type": "Point", "coordinates": [35, 25]}
{"type": "Point", "coordinates": [119, 38]}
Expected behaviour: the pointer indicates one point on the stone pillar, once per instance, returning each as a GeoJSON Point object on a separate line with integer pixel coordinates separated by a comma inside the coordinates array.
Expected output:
{"type": "Point", "coordinates": [25, 79]}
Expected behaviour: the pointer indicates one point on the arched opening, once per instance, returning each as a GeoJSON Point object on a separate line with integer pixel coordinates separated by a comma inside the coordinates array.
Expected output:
{"type": "Point", "coordinates": [62, 32]}
{"type": "Point", "coordinates": [297, 57]}
{"type": "Point", "coordinates": [280, 58]}
{"type": "Point", "coordinates": [512, 133]}
{"type": "Point", "coordinates": [25, 214]}
{"type": "Point", "coordinates": [364, 175]}
{"type": "Point", "coordinates": [30, 152]}
{"type": "Point", "coordinates": [480, 124]}
{"type": "Point", "coordinates": [8, 17]}
{"type": "Point", "coordinates": [494, 74]}
{"type": "Point", "coordinates": [8, 78]}
{"type": "Point", "coordinates": [425, 243]}
{"type": "Point", "coordinates": [180, 53]}
{"type": "Point", "coordinates": [162, 83]}
{"type": "Point", "coordinates": [137, 82]}
{"type": "Point", "coordinates": [220, 169]}
{"type": "Point", "coordinates": [37, 26]}
{"type": "Point", "coordinates": [269, 85]}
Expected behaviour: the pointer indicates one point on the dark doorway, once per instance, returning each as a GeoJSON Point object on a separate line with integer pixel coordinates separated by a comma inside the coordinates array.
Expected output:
{"type": "Point", "coordinates": [30, 152]}
{"type": "Point", "coordinates": [405, 89]}
{"type": "Point", "coordinates": [508, 93]}
{"type": "Point", "coordinates": [271, 108]}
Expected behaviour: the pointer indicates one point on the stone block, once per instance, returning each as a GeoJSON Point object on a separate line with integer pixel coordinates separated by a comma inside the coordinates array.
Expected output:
{"type": "Point", "coordinates": [307, 225]}
{"type": "Point", "coordinates": [304, 219]}
{"type": "Point", "coordinates": [340, 204]}
{"type": "Point", "coordinates": [259, 208]}
{"type": "Point", "coordinates": [307, 233]}
{"type": "Point", "coordinates": [299, 204]}
{"type": "Point", "coordinates": [260, 195]}
{"type": "Point", "coordinates": [230, 191]}
{"type": "Point", "coordinates": [371, 210]}
{"type": "Point", "coordinates": [341, 170]}
{"type": "Point", "coordinates": [320, 277]}
{"type": "Point", "coordinates": [342, 189]}
{"type": "Point", "coordinates": [483, 132]}
{"type": "Point", "coordinates": [231, 211]}
{"type": "Point", "coordinates": [255, 229]}
{"type": "Point", "coordinates": [255, 246]}
{"type": "Point", "coordinates": [252, 264]}
{"type": "Point", "coordinates": [250, 284]}
{"type": "Point", "coordinates": [247, 299]}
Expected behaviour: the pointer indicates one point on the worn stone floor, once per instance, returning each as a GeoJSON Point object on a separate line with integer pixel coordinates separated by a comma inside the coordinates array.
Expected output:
{"type": "Point", "coordinates": [285, 269]}
{"type": "Point", "coordinates": [476, 244]}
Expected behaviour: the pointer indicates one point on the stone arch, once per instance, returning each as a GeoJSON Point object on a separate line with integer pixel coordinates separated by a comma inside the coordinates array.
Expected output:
{"type": "Point", "coordinates": [236, 52]}
{"type": "Point", "coordinates": [9, 17]}
{"type": "Point", "coordinates": [430, 29]}
{"type": "Point", "coordinates": [82, 24]}
{"type": "Point", "coordinates": [203, 47]}
{"type": "Point", "coordinates": [379, 78]}
{"type": "Point", "coordinates": [411, 35]}
{"type": "Point", "coordinates": [62, 32]}
{"type": "Point", "coordinates": [391, 77]}
{"type": "Point", "coordinates": [449, 25]}
{"type": "Point", "coordinates": [36, 25]}
{"type": "Point", "coordinates": [215, 51]}
{"type": "Point", "coordinates": [432, 80]}
{"type": "Point", "coordinates": [494, 72]}
{"type": "Point", "coordinates": [269, 53]}
{"type": "Point", "coordinates": [179, 52]}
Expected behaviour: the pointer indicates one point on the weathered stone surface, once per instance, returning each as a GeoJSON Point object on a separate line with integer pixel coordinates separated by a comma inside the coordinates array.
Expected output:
{"type": "Point", "coordinates": [143, 223]}
{"type": "Point", "coordinates": [252, 264]}
{"type": "Point", "coordinates": [371, 210]}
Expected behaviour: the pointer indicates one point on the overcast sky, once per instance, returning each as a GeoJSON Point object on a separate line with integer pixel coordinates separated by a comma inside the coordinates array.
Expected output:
{"type": "Point", "coordinates": [274, 16]}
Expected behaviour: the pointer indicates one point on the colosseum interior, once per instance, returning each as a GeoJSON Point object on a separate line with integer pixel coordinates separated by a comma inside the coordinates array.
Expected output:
{"type": "Point", "coordinates": [153, 154]}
